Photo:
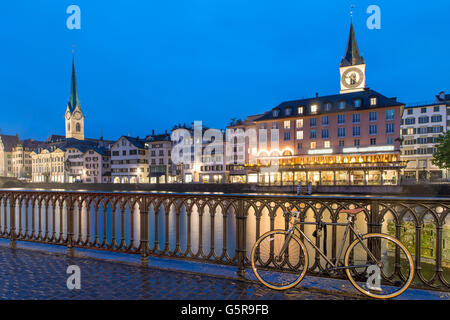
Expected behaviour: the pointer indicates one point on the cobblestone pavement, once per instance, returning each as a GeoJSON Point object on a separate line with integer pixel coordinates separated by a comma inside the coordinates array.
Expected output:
{"type": "Point", "coordinates": [27, 274]}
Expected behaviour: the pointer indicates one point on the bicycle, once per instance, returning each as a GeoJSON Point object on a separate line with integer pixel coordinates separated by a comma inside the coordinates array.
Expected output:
{"type": "Point", "coordinates": [279, 258]}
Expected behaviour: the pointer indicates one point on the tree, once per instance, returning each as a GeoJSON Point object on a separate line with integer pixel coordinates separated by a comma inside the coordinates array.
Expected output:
{"type": "Point", "coordinates": [441, 157]}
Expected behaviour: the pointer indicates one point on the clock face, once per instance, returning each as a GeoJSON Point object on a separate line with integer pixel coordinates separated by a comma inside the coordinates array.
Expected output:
{"type": "Point", "coordinates": [77, 115]}
{"type": "Point", "coordinates": [67, 115]}
{"type": "Point", "coordinates": [352, 78]}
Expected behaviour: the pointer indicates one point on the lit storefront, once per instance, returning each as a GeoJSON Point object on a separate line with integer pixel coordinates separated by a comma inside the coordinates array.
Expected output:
{"type": "Point", "coordinates": [332, 170]}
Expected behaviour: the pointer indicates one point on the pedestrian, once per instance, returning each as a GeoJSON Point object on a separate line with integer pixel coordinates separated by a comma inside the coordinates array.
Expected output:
{"type": "Point", "coordinates": [310, 187]}
{"type": "Point", "coordinates": [299, 188]}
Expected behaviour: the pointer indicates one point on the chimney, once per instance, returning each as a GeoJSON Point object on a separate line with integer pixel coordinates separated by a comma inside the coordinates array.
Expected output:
{"type": "Point", "coordinates": [153, 132]}
{"type": "Point", "coordinates": [442, 96]}
{"type": "Point", "coordinates": [166, 131]}
{"type": "Point", "coordinates": [317, 94]}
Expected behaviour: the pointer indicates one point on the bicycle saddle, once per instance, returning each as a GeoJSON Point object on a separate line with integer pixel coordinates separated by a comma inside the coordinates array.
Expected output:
{"type": "Point", "coordinates": [353, 211]}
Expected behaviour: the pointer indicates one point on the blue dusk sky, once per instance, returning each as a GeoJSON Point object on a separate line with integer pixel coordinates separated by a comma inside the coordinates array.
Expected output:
{"type": "Point", "coordinates": [144, 65]}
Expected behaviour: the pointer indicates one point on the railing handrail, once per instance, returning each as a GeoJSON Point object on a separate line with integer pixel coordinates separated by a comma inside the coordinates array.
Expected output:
{"type": "Point", "coordinates": [240, 195]}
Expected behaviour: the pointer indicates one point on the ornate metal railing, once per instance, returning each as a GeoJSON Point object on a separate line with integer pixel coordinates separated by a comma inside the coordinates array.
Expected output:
{"type": "Point", "coordinates": [221, 228]}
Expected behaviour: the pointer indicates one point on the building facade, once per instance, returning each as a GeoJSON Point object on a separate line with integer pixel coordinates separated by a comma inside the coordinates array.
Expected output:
{"type": "Point", "coordinates": [96, 165]}
{"type": "Point", "coordinates": [7, 144]}
{"type": "Point", "coordinates": [162, 170]}
{"type": "Point", "coordinates": [352, 138]}
{"type": "Point", "coordinates": [129, 160]}
{"type": "Point", "coordinates": [421, 126]}
{"type": "Point", "coordinates": [21, 158]}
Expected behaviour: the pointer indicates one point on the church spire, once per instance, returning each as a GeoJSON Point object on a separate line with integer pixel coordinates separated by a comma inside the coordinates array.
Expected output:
{"type": "Point", "coordinates": [73, 101]}
{"type": "Point", "coordinates": [352, 56]}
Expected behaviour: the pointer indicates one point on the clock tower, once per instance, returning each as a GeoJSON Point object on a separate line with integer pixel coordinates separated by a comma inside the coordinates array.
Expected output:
{"type": "Point", "coordinates": [353, 66]}
{"type": "Point", "coordinates": [74, 116]}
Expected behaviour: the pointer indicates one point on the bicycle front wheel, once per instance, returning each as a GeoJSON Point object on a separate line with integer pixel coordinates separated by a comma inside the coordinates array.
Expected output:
{"type": "Point", "coordinates": [379, 266]}
{"type": "Point", "coordinates": [275, 269]}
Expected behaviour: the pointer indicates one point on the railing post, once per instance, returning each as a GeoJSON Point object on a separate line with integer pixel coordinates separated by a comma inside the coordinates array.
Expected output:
{"type": "Point", "coordinates": [12, 221]}
{"type": "Point", "coordinates": [240, 238]}
{"type": "Point", "coordinates": [143, 209]}
{"type": "Point", "coordinates": [374, 225]}
{"type": "Point", "coordinates": [69, 203]}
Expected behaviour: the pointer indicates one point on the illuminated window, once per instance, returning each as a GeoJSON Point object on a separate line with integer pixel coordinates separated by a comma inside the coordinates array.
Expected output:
{"type": "Point", "coordinates": [313, 145]}
{"type": "Point", "coordinates": [373, 101]}
{"type": "Point", "coordinates": [287, 124]}
{"type": "Point", "coordinates": [300, 110]}
{"type": "Point", "coordinates": [299, 135]}
{"type": "Point", "coordinates": [314, 108]}
{"type": "Point", "coordinates": [299, 123]}
{"type": "Point", "coordinates": [326, 144]}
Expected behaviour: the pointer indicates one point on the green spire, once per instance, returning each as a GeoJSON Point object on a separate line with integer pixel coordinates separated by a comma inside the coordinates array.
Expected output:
{"type": "Point", "coordinates": [73, 101]}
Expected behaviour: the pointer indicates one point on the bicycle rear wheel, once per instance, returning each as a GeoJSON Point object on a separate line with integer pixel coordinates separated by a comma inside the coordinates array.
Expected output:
{"type": "Point", "coordinates": [279, 271]}
{"type": "Point", "coordinates": [385, 272]}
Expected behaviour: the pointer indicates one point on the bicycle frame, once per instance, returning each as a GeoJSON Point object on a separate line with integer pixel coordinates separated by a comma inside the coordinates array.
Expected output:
{"type": "Point", "coordinates": [348, 227]}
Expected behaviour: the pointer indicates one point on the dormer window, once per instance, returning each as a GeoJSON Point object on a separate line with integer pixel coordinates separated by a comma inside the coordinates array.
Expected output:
{"type": "Point", "coordinates": [275, 113]}
{"type": "Point", "coordinates": [342, 105]}
{"type": "Point", "coordinates": [288, 111]}
{"type": "Point", "coordinates": [300, 110]}
{"type": "Point", "coordinates": [327, 106]}
{"type": "Point", "coordinates": [373, 101]}
{"type": "Point", "coordinates": [314, 108]}
{"type": "Point", "coordinates": [357, 103]}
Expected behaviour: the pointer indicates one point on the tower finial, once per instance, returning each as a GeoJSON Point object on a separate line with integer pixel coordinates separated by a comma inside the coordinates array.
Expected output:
{"type": "Point", "coordinates": [351, 10]}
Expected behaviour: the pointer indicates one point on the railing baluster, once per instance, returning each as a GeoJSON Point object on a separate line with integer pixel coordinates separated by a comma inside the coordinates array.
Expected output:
{"type": "Point", "coordinates": [143, 210]}
{"type": "Point", "coordinates": [12, 226]}
{"type": "Point", "coordinates": [240, 238]}
{"type": "Point", "coordinates": [70, 249]}
{"type": "Point", "coordinates": [46, 219]}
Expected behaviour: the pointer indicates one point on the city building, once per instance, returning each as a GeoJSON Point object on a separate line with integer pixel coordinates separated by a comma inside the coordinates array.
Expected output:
{"type": "Point", "coordinates": [7, 144]}
{"type": "Point", "coordinates": [129, 160]}
{"type": "Point", "coordinates": [21, 158]}
{"type": "Point", "coordinates": [48, 164]}
{"type": "Point", "coordinates": [162, 170]}
{"type": "Point", "coordinates": [351, 138]}
{"type": "Point", "coordinates": [61, 159]}
{"type": "Point", "coordinates": [96, 165]}
{"type": "Point", "coordinates": [421, 126]}
{"type": "Point", "coordinates": [208, 166]}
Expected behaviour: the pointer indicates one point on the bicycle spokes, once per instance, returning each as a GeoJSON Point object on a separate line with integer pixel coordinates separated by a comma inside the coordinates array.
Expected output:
{"type": "Point", "coordinates": [278, 260]}
{"type": "Point", "coordinates": [379, 265]}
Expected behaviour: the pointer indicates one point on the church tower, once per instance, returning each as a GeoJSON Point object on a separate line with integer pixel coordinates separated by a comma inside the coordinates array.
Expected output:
{"type": "Point", "coordinates": [353, 66]}
{"type": "Point", "coordinates": [74, 116]}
